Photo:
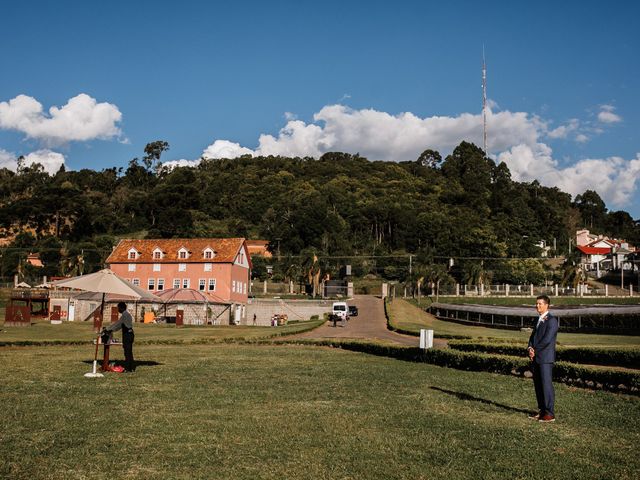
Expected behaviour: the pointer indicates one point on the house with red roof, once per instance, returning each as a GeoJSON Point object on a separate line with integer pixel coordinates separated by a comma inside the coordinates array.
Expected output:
{"type": "Point", "coordinates": [602, 253]}
{"type": "Point", "coordinates": [219, 267]}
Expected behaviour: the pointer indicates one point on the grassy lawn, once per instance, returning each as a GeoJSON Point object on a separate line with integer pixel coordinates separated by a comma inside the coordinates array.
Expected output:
{"type": "Point", "coordinates": [273, 412]}
{"type": "Point", "coordinates": [408, 316]}
{"type": "Point", "coordinates": [148, 333]}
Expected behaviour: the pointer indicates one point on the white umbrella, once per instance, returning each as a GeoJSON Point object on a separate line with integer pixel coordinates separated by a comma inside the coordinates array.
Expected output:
{"type": "Point", "coordinates": [105, 281]}
{"type": "Point", "coordinates": [23, 285]}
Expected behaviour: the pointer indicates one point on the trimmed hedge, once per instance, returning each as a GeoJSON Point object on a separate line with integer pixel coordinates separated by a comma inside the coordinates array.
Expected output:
{"type": "Point", "coordinates": [615, 357]}
{"type": "Point", "coordinates": [583, 376]}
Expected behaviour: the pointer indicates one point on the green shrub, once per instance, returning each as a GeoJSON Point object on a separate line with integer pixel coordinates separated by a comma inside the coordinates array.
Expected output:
{"type": "Point", "coordinates": [617, 357]}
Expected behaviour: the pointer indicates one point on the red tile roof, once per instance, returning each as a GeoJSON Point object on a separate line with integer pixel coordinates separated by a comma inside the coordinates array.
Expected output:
{"type": "Point", "coordinates": [225, 250]}
{"type": "Point", "coordinates": [594, 250]}
{"type": "Point", "coordinates": [259, 247]}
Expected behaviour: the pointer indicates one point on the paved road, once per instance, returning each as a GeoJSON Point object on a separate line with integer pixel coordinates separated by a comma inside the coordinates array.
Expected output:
{"type": "Point", "coordinates": [370, 324]}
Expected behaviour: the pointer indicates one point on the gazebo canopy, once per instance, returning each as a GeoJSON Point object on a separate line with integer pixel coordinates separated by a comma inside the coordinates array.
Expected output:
{"type": "Point", "coordinates": [188, 295]}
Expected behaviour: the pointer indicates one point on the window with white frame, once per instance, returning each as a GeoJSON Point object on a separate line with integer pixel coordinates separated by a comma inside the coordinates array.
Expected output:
{"type": "Point", "coordinates": [208, 254]}
{"type": "Point", "coordinates": [132, 254]}
{"type": "Point", "coordinates": [183, 254]}
{"type": "Point", "coordinates": [212, 284]}
{"type": "Point", "coordinates": [136, 282]}
{"type": "Point", "coordinates": [152, 284]}
{"type": "Point", "coordinates": [160, 284]}
{"type": "Point", "coordinates": [244, 287]}
{"type": "Point", "coordinates": [201, 284]}
{"type": "Point", "coordinates": [156, 267]}
{"type": "Point", "coordinates": [208, 267]}
{"type": "Point", "coordinates": [233, 286]}
{"type": "Point", "coordinates": [176, 283]}
{"type": "Point", "coordinates": [157, 254]}
{"type": "Point", "coordinates": [185, 283]}
{"type": "Point", "coordinates": [182, 267]}
{"type": "Point", "coordinates": [132, 267]}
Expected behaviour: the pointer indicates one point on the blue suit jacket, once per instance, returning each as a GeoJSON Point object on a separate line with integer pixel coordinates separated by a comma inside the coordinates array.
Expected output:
{"type": "Point", "coordinates": [543, 340]}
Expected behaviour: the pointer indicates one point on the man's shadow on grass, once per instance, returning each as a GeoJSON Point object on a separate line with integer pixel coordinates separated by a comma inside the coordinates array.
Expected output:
{"type": "Point", "coordinates": [466, 396]}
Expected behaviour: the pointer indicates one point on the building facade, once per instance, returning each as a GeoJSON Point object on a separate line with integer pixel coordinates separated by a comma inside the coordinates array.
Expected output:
{"type": "Point", "coordinates": [219, 267]}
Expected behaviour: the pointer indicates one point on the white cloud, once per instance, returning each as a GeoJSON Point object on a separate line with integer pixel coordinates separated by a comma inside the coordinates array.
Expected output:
{"type": "Point", "coordinates": [81, 119]}
{"type": "Point", "coordinates": [563, 130]}
{"type": "Point", "coordinates": [180, 163]}
{"type": "Point", "coordinates": [382, 136]}
{"type": "Point", "coordinates": [606, 114]}
{"type": "Point", "coordinates": [615, 179]}
{"type": "Point", "coordinates": [225, 149]}
{"type": "Point", "coordinates": [7, 160]}
{"type": "Point", "coordinates": [51, 161]}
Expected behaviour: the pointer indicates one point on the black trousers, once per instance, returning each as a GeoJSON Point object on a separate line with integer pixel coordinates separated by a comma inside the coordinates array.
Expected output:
{"type": "Point", "coordinates": [127, 345]}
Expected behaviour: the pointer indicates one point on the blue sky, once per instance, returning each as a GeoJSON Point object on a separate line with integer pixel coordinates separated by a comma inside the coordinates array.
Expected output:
{"type": "Point", "coordinates": [90, 83]}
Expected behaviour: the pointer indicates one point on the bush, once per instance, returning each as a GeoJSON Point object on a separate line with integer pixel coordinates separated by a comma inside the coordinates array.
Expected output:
{"type": "Point", "coordinates": [617, 357]}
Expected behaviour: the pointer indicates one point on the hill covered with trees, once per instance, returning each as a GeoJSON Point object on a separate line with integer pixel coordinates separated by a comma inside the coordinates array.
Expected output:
{"type": "Point", "coordinates": [463, 206]}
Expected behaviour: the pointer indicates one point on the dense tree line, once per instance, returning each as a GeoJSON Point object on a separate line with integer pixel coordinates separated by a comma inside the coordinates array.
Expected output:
{"type": "Point", "coordinates": [338, 205]}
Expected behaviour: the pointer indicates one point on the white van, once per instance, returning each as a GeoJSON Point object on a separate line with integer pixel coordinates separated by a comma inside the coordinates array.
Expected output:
{"type": "Point", "coordinates": [341, 310]}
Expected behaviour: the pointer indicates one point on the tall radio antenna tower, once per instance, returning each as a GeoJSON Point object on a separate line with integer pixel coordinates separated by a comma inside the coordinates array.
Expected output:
{"type": "Point", "coordinates": [484, 103]}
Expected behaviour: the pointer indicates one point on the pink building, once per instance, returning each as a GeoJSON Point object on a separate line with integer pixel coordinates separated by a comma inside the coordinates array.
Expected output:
{"type": "Point", "coordinates": [218, 266]}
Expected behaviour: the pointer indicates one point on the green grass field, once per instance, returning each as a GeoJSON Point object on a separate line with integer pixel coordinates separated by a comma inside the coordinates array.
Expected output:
{"type": "Point", "coordinates": [407, 316]}
{"type": "Point", "coordinates": [233, 411]}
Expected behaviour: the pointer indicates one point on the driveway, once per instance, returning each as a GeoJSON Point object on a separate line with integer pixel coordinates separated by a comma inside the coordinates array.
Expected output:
{"type": "Point", "coordinates": [369, 324]}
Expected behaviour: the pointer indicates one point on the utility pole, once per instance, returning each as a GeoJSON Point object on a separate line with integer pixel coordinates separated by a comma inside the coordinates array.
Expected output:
{"type": "Point", "coordinates": [484, 104]}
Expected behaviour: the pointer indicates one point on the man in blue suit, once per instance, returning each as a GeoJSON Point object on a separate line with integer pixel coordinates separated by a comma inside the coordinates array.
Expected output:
{"type": "Point", "coordinates": [542, 353]}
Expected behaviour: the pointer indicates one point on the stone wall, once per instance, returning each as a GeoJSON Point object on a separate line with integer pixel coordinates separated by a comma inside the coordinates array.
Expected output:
{"type": "Point", "coordinates": [264, 309]}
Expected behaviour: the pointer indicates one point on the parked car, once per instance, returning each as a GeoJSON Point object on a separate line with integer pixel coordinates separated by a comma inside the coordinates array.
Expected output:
{"type": "Point", "coordinates": [353, 311]}
{"type": "Point", "coordinates": [340, 309]}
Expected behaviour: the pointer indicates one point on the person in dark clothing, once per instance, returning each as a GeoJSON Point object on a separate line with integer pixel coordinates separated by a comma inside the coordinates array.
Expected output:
{"type": "Point", "coordinates": [125, 323]}
{"type": "Point", "coordinates": [542, 353]}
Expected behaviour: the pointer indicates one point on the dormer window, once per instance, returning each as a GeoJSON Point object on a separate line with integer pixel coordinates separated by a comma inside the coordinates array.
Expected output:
{"type": "Point", "coordinates": [132, 254]}
{"type": "Point", "coordinates": [157, 254]}
{"type": "Point", "coordinates": [183, 254]}
{"type": "Point", "coordinates": [208, 254]}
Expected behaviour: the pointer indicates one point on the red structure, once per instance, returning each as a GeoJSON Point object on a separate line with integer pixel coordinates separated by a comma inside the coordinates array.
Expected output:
{"type": "Point", "coordinates": [26, 305]}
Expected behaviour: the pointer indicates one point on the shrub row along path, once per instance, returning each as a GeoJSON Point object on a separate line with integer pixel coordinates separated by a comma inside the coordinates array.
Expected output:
{"type": "Point", "coordinates": [370, 324]}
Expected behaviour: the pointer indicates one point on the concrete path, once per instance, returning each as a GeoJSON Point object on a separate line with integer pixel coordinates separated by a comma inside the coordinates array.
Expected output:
{"type": "Point", "coordinates": [369, 324]}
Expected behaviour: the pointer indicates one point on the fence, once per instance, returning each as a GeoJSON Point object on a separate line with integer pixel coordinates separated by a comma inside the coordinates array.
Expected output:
{"type": "Point", "coordinates": [507, 290]}
{"type": "Point", "coordinates": [600, 319]}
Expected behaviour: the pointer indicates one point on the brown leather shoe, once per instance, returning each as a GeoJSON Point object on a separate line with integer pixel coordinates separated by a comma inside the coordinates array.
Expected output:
{"type": "Point", "coordinates": [546, 418]}
{"type": "Point", "coordinates": [534, 416]}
